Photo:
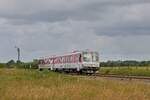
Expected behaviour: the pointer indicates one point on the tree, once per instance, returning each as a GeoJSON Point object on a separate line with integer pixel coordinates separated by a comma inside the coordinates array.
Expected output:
{"type": "Point", "coordinates": [10, 64]}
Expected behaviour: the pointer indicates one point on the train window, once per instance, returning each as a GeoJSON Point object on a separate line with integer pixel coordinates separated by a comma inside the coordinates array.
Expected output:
{"type": "Point", "coordinates": [87, 57]}
{"type": "Point", "coordinates": [95, 57]}
{"type": "Point", "coordinates": [41, 61]}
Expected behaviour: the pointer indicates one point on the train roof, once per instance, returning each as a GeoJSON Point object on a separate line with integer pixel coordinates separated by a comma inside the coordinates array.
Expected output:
{"type": "Point", "coordinates": [58, 55]}
{"type": "Point", "coordinates": [68, 53]}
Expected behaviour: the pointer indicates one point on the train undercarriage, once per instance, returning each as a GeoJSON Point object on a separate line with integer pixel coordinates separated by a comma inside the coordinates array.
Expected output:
{"type": "Point", "coordinates": [86, 70]}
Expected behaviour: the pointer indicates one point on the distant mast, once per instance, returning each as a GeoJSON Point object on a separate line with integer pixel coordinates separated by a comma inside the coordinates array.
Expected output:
{"type": "Point", "coordinates": [18, 52]}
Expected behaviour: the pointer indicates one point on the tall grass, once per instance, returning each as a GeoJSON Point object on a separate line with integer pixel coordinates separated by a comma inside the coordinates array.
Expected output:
{"type": "Point", "coordinates": [19, 84]}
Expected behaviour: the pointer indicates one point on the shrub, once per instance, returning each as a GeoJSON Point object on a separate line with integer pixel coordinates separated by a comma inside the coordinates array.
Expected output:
{"type": "Point", "coordinates": [2, 65]}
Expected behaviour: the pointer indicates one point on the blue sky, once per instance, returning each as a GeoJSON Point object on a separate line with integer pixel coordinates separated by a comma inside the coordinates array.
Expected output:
{"type": "Point", "coordinates": [118, 29]}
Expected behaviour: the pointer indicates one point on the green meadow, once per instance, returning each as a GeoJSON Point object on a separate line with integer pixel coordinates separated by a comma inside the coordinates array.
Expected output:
{"type": "Point", "coordinates": [21, 84]}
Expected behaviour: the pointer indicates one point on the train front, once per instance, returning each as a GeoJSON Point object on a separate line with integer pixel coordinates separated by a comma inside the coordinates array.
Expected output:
{"type": "Point", "coordinates": [90, 62]}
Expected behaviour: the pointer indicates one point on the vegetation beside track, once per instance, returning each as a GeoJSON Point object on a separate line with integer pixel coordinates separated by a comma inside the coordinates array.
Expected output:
{"type": "Point", "coordinates": [134, 71]}
{"type": "Point", "coordinates": [29, 84]}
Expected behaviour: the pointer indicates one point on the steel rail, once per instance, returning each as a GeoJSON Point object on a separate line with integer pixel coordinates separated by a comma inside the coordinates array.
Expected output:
{"type": "Point", "coordinates": [122, 76]}
{"type": "Point", "coordinates": [114, 76]}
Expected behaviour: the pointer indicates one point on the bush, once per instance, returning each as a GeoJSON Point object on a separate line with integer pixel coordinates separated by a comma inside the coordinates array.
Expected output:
{"type": "Point", "coordinates": [28, 65]}
{"type": "Point", "coordinates": [10, 64]}
{"type": "Point", "coordinates": [2, 65]}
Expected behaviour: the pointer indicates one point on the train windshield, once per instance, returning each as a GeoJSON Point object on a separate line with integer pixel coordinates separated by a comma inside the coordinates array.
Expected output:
{"type": "Point", "coordinates": [87, 57]}
{"type": "Point", "coordinates": [90, 57]}
{"type": "Point", "coordinates": [95, 57]}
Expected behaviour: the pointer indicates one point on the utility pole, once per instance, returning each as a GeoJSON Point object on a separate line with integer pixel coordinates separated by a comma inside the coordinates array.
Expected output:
{"type": "Point", "coordinates": [18, 51]}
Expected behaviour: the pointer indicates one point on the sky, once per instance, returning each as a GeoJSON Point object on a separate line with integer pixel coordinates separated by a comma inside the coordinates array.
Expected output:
{"type": "Point", "coordinates": [117, 29]}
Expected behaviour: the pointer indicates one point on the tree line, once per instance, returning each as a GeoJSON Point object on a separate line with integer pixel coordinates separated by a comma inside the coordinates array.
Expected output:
{"type": "Point", "coordinates": [34, 64]}
{"type": "Point", "coordinates": [18, 64]}
{"type": "Point", "coordinates": [124, 63]}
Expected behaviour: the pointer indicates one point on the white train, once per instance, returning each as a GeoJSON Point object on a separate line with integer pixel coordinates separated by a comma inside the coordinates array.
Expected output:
{"type": "Point", "coordinates": [78, 61]}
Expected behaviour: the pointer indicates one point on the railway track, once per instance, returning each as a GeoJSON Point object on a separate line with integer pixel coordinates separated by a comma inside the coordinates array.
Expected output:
{"type": "Point", "coordinates": [115, 76]}
{"type": "Point", "coordinates": [123, 76]}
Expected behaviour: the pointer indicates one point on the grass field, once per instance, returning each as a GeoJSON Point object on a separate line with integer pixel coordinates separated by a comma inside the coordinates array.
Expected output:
{"type": "Point", "coordinates": [138, 71]}
{"type": "Point", "coordinates": [20, 84]}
